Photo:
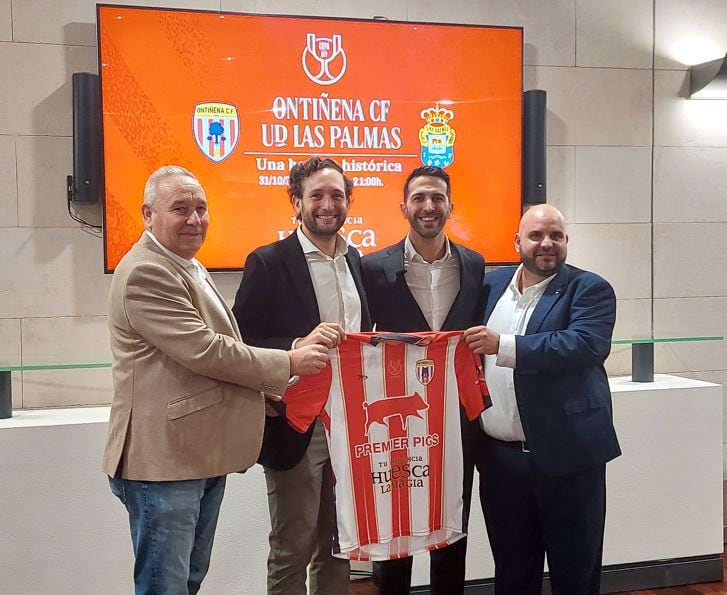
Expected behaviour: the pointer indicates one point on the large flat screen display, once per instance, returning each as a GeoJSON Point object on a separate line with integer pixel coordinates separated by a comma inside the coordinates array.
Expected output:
{"type": "Point", "coordinates": [239, 98]}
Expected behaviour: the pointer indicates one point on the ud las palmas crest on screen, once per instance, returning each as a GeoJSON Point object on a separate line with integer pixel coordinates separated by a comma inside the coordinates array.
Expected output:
{"type": "Point", "coordinates": [436, 137]}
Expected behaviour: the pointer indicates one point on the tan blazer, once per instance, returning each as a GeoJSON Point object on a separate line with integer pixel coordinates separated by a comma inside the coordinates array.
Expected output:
{"type": "Point", "coordinates": [187, 392]}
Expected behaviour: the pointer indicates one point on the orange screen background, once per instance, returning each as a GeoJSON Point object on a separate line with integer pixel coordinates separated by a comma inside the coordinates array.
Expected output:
{"type": "Point", "coordinates": [157, 65]}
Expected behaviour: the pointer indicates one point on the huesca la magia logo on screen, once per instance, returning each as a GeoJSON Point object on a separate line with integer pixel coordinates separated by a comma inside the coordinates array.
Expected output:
{"type": "Point", "coordinates": [216, 129]}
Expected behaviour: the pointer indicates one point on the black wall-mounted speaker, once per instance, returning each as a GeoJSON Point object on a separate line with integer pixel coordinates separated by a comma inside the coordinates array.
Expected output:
{"type": "Point", "coordinates": [86, 184]}
{"type": "Point", "coordinates": [534, 133]}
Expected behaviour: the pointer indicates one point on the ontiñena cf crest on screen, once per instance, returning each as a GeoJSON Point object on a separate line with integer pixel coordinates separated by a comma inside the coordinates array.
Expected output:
{"type": "Point", "coordinates": [216, 129]}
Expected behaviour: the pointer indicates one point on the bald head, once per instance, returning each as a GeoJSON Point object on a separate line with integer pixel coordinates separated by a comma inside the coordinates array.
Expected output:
{"type": "Point", "coordinates": [541, 213]}
{"type": "Point", "coordinates": [542, 242]}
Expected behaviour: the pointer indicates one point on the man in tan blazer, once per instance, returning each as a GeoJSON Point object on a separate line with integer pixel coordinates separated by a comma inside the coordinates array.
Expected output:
{"type": "Point", "coordinates": [189, 395]}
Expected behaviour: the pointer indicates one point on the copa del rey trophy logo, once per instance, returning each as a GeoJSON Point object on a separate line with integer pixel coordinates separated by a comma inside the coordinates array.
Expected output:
{"type": "Point", "coordinates": [324, 59]}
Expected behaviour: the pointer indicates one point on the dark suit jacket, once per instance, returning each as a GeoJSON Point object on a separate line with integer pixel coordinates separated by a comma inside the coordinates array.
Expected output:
{"type": "Point", "coordinates": [560, 383]}
{"type": "Point", "coordinates": [276, 304]}
{"type": "Point", "coordinates": [393, 307]}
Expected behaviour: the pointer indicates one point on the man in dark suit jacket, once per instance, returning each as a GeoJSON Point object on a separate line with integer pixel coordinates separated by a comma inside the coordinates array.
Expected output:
{"type": "Point", "coordinates": [549, 433]}
{"type": "Point", "coordinates": [426, 282]}
{"type": "Point", "coordinates": [304, 289]}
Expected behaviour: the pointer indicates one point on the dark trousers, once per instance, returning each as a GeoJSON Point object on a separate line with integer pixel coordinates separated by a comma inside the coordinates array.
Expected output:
{"type": "Point", "coordinates": [446, 572]}
{"type": "Point", "coordinates": [446, 565]}
{"type": "Point", "coordinates": [530, 515]}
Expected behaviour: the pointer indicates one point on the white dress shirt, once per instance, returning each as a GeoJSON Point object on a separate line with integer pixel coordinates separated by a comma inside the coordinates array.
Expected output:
{"type": "Point", "coordinates": [434, 285]}
{"type": "Point", "coordinates": [194, 268]}
{"type": "Point", "coordinates": [336, 293]}
{"type": "Point", "coordinates": [510, 317]}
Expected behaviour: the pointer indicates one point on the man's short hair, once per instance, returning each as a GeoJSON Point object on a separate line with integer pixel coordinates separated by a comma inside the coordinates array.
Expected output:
{"type": "Point", "coordinates": [304, 169]}
{"type": "Point", "coordinates": [428, 171]}
{"type": "Point", "coordinates": [151, 189]}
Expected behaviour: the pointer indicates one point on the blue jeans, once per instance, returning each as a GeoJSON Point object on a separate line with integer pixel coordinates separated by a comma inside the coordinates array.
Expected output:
{"type": "Point", "coordinates": [172, 529]}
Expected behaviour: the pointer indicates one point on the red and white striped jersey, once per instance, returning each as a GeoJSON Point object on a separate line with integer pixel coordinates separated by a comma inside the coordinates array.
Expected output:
{"type": "Point", "coordinates": [391, 407]}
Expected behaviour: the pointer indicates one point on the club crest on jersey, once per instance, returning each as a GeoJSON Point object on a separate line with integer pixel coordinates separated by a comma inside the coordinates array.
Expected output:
{"type": "Point", "coordinates": [393, 368]}
{"type": "Point", "coordinates": [404, 407]}
{"type": "Point", "coordinates": [324, 59]}
{"type": "Point", "coordinates": [425, 370]}
{"type": "Point", "coordinates": [436, 137]}
{"type": "Point", "coordinates": [216, 129]}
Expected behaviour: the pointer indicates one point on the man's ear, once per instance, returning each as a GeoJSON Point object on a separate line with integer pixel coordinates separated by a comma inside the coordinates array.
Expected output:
{"type": "Point", "coordinates": [296, 202]}
{"type": "Point", "coordinates": [517, 242]}
{"type": "Point", "coordinates": [146, 215]}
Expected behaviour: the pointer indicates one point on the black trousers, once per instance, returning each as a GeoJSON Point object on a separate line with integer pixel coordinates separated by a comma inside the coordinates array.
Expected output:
{"type": "Point", "coordinates": [446, 565]}
{"type": "Point", "coordinates": [446, 572]}
{"type": "Point", "coordinates": [530, 516]}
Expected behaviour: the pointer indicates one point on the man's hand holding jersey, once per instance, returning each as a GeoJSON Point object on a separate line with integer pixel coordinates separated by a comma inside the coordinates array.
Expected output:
{"type": "Point", "coordinates": [307, 360]}
{"type": "Point", "coordinates": [482, 340]}
{"type": "Point", "coordinates": [328, 334]}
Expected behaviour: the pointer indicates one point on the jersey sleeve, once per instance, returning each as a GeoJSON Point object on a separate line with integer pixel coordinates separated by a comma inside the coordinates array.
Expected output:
{"type": "Point", "coordinates": [305, 398]}
{"type": "Point", "coordinates": [473, 393]}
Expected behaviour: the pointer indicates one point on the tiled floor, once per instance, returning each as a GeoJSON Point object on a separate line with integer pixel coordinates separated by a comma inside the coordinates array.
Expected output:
{"type": "Point", "coordinates": [368, 588]}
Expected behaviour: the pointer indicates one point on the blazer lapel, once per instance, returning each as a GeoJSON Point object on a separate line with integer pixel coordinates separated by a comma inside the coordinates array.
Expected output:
{"type": "Point", "coordinates": [230, 316]}
{"type": "Point", "coordinates": [355, 269]}
{"type": "Point", "coordinates": [200, 293]}
{"type": "Point", "coordinates": [467, 281]}
{"type": "Point", "coordinates": [393, 264]}
{"type": "Point", "coordinates": [401, 296]}
{"type": "Point", "coordinates": [297, 268]}
{"type": "Point", "coordinates": [496, 291]}
{"type": "Point", "coordinates": [551, 296]}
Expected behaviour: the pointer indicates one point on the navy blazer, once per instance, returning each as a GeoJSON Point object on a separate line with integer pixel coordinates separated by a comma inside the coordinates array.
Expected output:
{"type": "Point", "coordinates": [561, 385]}
{"type": "Point", "coordinates": [393, 307]}
{"type": "Point", "coordinates": [276, 304]}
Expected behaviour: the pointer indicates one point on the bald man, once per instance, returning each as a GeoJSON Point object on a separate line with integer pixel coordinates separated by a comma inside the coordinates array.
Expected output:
{"type": "Point", "coordinates": [546, 439]}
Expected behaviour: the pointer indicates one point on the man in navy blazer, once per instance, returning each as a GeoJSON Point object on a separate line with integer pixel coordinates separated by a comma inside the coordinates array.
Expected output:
{"type": "Point", "coordinates": [427, 282]}
{"type": "Point", "coordinates": [306, 288]}
{"type": "Point", "coordinates": [549, 433]}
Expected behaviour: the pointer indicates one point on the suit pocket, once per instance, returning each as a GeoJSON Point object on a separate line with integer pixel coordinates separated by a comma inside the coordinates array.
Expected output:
{"type": "Point", "coordinates": [582, 404]}
{"type": "Point", "coordinates": [193, 403]}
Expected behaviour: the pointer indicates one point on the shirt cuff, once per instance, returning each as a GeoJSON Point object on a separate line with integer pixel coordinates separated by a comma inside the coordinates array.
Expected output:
{"type": "Point", "coordinates": [506, 353]}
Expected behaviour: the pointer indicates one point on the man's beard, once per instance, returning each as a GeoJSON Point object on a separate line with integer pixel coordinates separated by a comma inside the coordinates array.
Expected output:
{"type": "Point", "coordinates": [323, 232]}
{"type": "Point", "coordinates": [530, 265]}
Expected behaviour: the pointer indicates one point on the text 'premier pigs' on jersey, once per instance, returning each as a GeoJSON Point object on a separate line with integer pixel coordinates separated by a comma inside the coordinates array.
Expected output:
{"type": "Point", "coordinates": [391, 407]}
